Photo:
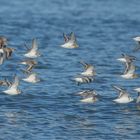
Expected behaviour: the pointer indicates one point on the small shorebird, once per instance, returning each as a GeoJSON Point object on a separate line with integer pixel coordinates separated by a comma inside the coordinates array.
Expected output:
{"type": "Point", "coordinates": [129, 72]}
{"type": "Point", "coordinates": [89, 96]}
{"type": "Point", "coordinates": [123, 96]}
{"type": "Point", "coordinates": [83, 79]}
{"type": "Point", "coordinates": [89, 69]}
{"type": "Point", "coordinates": [137, 39]}
{"type": "Point", "coordinates": [130, 68]}
{"type": "Point", "coordinates": [32, 78]}
{"type": "Point", "coordinates": [33, 52]}
{"type": "Point", "coordinates": [138, 97]}
{"type": "Point", "coordinates": [70, 42]}
{"type": "Point", "coordinates": [30, 64]}
{"type": "Point", "coordinates": [13, 88]}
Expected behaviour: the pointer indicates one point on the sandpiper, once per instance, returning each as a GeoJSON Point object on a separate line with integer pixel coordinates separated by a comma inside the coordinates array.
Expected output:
{"type": "Point", "coordinates": [13, 88]}
{"type": "Point", "coordinates": [129, 72]}
{"type": "Point", "coordinates": [89, 96]}
{"type": "Point", "coordinates": [30, 64]}
{"type": "Point", "coordinates": [123, 96]}
{"type": "Point", "coordinates": [33, 52]}
{"type": "Point", "coordinates": [70, 42]}
{"type": "Point", "coordinates": [130, 68]}
{"type": "Point", "coordinates": [89, 69]}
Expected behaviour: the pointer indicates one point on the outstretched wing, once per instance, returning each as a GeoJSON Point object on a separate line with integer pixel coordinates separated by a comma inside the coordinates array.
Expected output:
{"type": "Point", "coordinates": [84, 64]}
{"type": "Point", "coordinates": [120, 90]}
{"type": "Point", "coordinates": [130, 68]}
{"type": "Point", "coordinates": [34, 45]}
{"type": "Point", "coordinates": [72, 37]}
{"type": "Point", "coordinates": [127, 65]}
{"type": "Point", "coordinates": [117, 88]}
{"type": "Point", "coordinates": [29, 68]}
{"type": "Point", "coordinates": [15, 83]}
{"type": "Point", "coordinates": [66, 39]}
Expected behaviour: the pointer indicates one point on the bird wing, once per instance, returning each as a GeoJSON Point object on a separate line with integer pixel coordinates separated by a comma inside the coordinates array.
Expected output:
{"type": "Point", "coordinates": [15, 82]}
{"type": "Point", "coordinates": [72, 37]}
{"type": "Point", "coordinates": [84, 64]}
{"type": "Point", "coordinates": [127, 65]}
{"type": "Point", "coordinates": [66, 39]}
{"type": "Point", "coordinates": [123, 94]}
{"type": "Point", "coordinates": [30, 67]}
{"type": "Point", "coordinates": [34, 45]}
{"type": "Point", "coordinates": [130, 69]}
{"type": "Point", "coordinates": [120, 90]}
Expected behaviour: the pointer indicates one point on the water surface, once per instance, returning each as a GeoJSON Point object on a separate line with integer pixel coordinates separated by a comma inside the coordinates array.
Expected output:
{"type": "Point", "coordinates": [50, 109]}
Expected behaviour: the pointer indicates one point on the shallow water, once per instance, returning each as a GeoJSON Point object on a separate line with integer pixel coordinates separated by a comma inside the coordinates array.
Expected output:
{"type": "Point", "coordinates": [51, 109]}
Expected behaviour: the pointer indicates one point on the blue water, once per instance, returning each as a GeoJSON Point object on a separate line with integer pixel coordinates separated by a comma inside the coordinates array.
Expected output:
{"type": "Point", "coordinates": [51, 109]}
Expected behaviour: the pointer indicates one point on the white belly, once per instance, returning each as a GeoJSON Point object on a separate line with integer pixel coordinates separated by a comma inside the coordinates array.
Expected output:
{"type": "Point", "coordinates": [69, 45]}
{"type": "Point", "coordinates": [31, 79]}
{"type": "Point", "coordinates": [79, 79]}
{"type": "Point", "coordinates": [127, 76]}
{"type": "Point", "coordinates": [88, 100]}
{"type": "Point", "coordinates": [123, 100]}
{"type": "Point", "coordinates": [31, 54]}
{"type": "Point", "coordinates": [12, 91]}
{"type": "Point", "coordinates": [1, 51]}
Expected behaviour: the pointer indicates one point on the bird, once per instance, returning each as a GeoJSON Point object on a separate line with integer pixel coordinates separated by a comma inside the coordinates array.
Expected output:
{"type": "Point", "coordinates": [32, 78]}
{"type": "Point", "coordinates": [30, 64]}
{"type": "Point", "coordinates": [83, 79]}
{"type": "Point", "coordinates": [123, 97]}
{"type": "Point", "coordinates": [89, 69]}
{"type": "Point", "coordinates": [138, 97]}
{"type": "Point", "coordinates": [13, 88]}
{"type": "Point", "coordinates": [33, 52]}
{"type": "Point", "coordinates": [69, 42]}
{"type": "Point", "coordinates": [89, 96]}
{"type": "Point", "coordinates": [130, 68]}
{"type": "Point", "coordinates": [129, 72]}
